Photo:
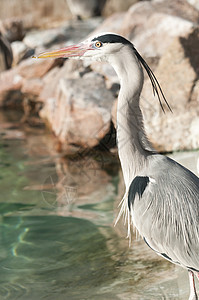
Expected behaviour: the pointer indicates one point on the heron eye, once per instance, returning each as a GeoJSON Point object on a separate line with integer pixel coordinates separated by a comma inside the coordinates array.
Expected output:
{"type": "Point", "coordinates": [98, 44]}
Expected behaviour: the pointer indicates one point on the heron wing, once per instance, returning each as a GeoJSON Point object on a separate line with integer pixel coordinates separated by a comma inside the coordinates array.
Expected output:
{"type": "Point", "coordinates": [165, 210]}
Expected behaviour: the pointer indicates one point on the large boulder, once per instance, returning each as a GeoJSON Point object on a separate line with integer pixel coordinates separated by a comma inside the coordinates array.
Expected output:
{"type": "Point", "coordinates": [166, 20]}
{"type": "Point", "coordinates": [80, 112]}
{"type": "Point", "coordinates": [178, 73]}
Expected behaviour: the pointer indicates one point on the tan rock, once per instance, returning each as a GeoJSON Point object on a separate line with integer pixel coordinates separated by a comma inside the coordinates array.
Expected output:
{"type": "Point", "coordinates": [111, 24]}
{"type": "Point", "coordinates": [114, 6]}
{"type": "Point", "coordinates": [32, 68]}
{"type": "Point", "coordinates": [13, 29]}
{"type": "Point", "coordinates": [13, 134]}
{"type": "Point", "coordinates": [26, 74]}
{"type": "Point", "coordinates": [86, 8]}
{"type": "Point", "coordinates": [36, 13]}
{"type": "Point", "coordinates": [81, 112]}
{"type": "Point", "coordinates": [195, 3]}
{"type": "Point", "coordinates": [18, 49]}
{"type": "Point", "coordinates": [10, 86]}
{"type": "Point", "coordinates": [70, 69]}
{"type": "Point", "coordinates": [177, 73]}
{"type": "Point", "coordinates": [166, 20]}
{"type": "Point", "coordinates": [107, 71]}
{"type": "Point", "coordinates": [32, 87]}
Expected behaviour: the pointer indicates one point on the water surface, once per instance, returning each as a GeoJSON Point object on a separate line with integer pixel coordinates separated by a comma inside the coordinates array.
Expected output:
{"type": "Point", "coordinates": [56, 227]}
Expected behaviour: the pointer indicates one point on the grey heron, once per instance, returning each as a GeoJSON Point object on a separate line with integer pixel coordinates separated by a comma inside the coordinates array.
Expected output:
{"type": "Point", "coordinates": [162, 196]}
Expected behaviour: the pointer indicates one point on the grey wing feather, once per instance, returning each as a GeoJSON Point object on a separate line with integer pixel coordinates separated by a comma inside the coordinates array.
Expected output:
{"type": "Point", "coordinates": [167, 213]}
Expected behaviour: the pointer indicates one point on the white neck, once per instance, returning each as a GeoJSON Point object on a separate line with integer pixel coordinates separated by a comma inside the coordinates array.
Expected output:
{"type": "Point", "coordinates": [133, 145]}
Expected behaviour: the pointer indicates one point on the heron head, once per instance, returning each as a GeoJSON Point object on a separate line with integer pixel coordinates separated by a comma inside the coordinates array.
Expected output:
{"type": "Point", "coordinates": [97, 48]}
{"type": "Point", "coordinates": [109, 47]}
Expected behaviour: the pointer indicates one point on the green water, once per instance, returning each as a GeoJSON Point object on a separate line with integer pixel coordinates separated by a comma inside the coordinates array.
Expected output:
{"type": "Point", "coordinates": [57, 239]}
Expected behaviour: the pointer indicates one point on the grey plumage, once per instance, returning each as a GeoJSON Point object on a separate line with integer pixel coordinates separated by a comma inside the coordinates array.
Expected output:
{"type": "Point", "coordinates": [167, 213]}
{"type": "Point", "coordinates": [162, 197]}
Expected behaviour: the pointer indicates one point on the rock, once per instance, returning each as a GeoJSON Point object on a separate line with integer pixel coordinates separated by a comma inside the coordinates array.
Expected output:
{"type": "Point", "coordinates": [111, 24]}
{"type": "Point", "coordinates": [116, 6]}
{"type": "Point", "coordinates": [11, 81]}
{"type": "Point", "coordinates": [195, 3]}
{"type": "Point", "coordinates": [86, 8]}
{"type": "Point", "coordinates": [168, 19]}
{"type": "Point", "coordinates": [107, 71]}
{"type": "Point", "coordinates": [43, 38]}
{"type": "Point", "coordinates": [71, 69]}
{"type": "Point", "coordinates": [6, 55]}
{"type": "Point", "coordinates": [10, 88]}
{"type": "Point", "coordinates": [21, 52]}
{"type": "Point", "coordinates": [18, 49]}
{"type": "Point", "coordinates": [12, 29]}
{"type": "Point", "coordinates": [178, 73]}
{"type": "Point", "coordinates": [32, 87]}
{"type": "Point", "coordinates": [81, 112]}
{"type": "Point", "coordinates": [13, 134]}
{"type": "Point", "coordinates": [30, 68]}
{"type": "Point", "coordinates": [36, 14]}
{"type": "Point", "coordinates": [8, 125]}
{"type": "Point", "coordinates": [69, 33]}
